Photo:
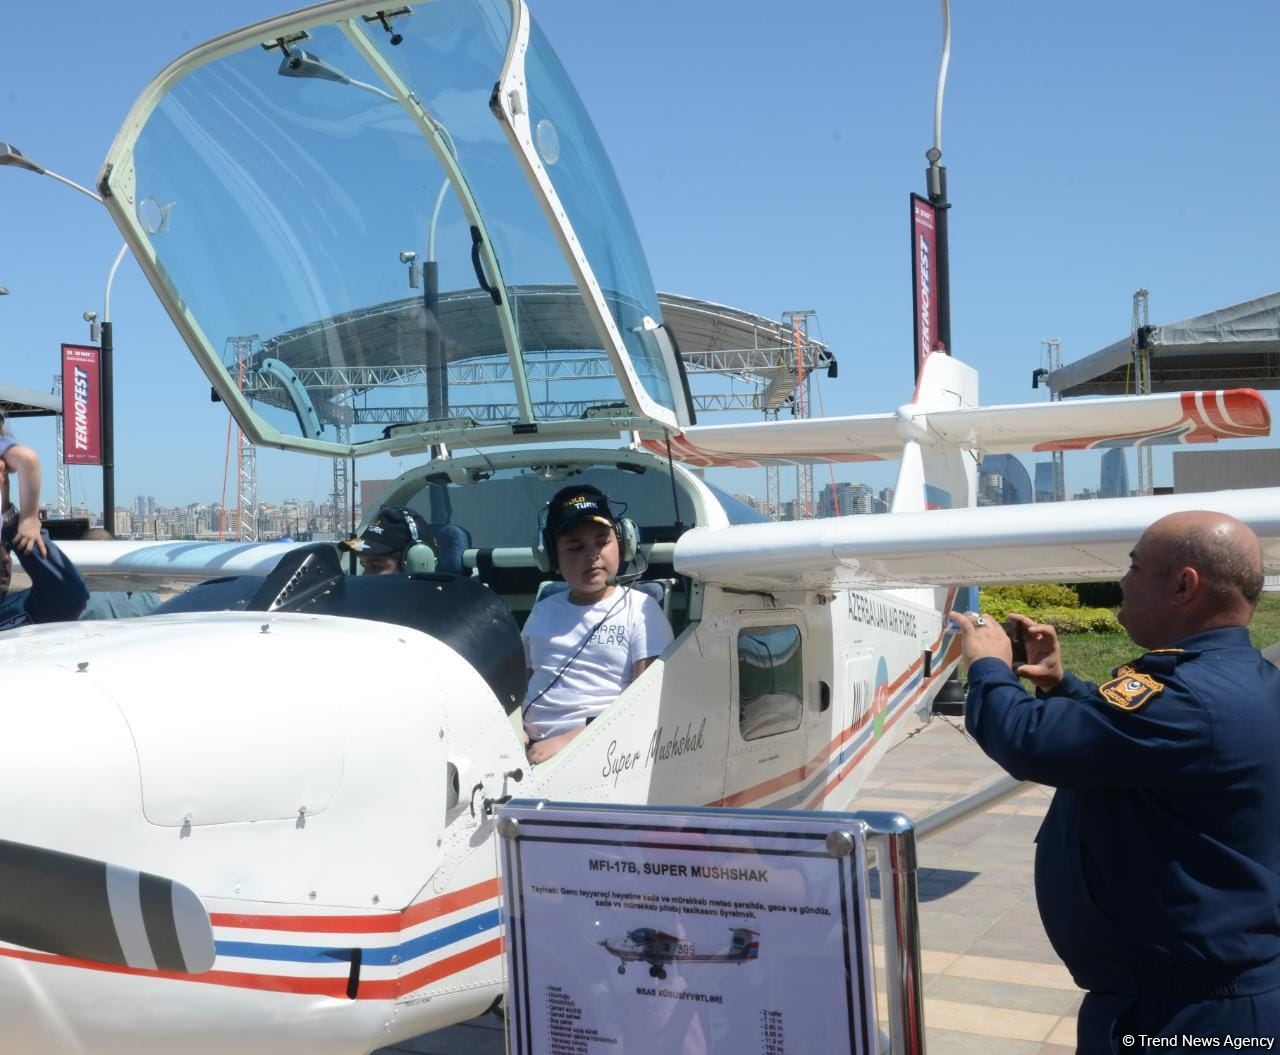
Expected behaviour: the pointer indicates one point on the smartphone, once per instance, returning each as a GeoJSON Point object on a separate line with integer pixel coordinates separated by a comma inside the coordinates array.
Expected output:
{"type": "Point", "coordinates": [1014, 630]}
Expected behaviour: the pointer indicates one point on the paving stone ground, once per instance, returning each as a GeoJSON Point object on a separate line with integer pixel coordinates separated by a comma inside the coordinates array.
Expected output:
{"type": "Point", "coordinates": [992, 984]}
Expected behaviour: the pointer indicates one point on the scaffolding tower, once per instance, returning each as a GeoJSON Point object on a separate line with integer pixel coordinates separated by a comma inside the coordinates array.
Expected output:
{"type": "Point", "coordinates": [241, 350]}
{"type": "Point", "coordinates": [1051, 354]}
{"type": "Point", "coordinates": [799, 322]}
{"type": "Point", "coordinates": [1140, 358]}
{"type": "Point", "coordinates": [772, 480]}
{"type": "Point", "coordinates": [342, 484]}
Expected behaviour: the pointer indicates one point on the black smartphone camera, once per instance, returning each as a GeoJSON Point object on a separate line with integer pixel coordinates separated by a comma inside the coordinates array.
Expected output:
{"type": "Point", "coordinates": [1014, 631]}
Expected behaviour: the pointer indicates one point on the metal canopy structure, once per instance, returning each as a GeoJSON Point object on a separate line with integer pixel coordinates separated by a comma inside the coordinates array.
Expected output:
{"type": "Point", "coordinates": [25, 403]}
{"type": "Point", "coordinates": [1233, 347]}
{"type": "Point", "coordinates": [376, 343]}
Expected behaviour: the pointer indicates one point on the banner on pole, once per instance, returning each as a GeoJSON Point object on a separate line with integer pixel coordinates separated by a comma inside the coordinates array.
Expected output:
{"type": "Point", "coordinates": [81, 405]}
{"type": "Point", "coordinates": [924, 276]}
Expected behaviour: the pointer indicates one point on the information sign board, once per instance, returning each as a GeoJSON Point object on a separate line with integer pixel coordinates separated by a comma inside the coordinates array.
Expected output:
{"type": "Point", "coordinates": [642, 929]}
{"type": "Point", "coordinates": [81, 405]}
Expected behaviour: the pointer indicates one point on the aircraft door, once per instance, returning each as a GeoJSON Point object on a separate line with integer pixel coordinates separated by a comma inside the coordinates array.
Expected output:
{"type": "Point", "coordinates": [772, 688]}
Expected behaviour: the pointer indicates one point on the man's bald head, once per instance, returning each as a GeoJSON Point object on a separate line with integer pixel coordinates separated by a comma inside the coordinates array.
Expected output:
{"type": "Point", "coordinates": [1190, 572]}
{"type": "Point", "coordinates": [1223, 550]}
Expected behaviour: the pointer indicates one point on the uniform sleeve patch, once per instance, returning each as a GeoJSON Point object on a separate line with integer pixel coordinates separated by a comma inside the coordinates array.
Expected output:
{"type": "Point", "coordinates": [1131, 690]}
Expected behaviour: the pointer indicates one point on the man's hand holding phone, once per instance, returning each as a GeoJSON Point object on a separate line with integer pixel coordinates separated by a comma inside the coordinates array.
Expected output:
{"type": "Point", "coordinates": [1041, 656]}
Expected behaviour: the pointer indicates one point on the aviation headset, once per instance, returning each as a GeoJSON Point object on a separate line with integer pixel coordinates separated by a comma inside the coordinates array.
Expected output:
{"type": "Point", "coordinates": [418, 558]}
{"type": "Point", "coordinates": [624, 530]}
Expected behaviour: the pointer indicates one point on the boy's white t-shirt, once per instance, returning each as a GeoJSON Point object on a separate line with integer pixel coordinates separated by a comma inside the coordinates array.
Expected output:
{"type": "Point", "coordinates": [624, 628]}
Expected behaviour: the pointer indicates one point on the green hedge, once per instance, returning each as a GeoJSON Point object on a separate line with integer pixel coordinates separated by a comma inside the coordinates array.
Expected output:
{"type": "Point", "coordinates": [1079, 620]}
{"type": "Point", "coordinates": [1026, 598]}
{"type": "Point", "coordinates": [1051, 603]}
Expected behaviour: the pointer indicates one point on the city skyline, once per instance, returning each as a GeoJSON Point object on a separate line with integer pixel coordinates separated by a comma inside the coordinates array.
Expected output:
{"type": "Point", "coordinates": [1003, 481]}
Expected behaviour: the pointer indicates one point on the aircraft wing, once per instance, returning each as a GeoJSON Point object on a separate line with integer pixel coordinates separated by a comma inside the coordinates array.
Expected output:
{"type": "Point", "coordinates": [1052, 542]}
{"type": "Point", "coordinates": [170, 565]}
{"type": "Point", "coordinates": [1118, 421]}
{"type": "Point", "coordinates": [750, 445]}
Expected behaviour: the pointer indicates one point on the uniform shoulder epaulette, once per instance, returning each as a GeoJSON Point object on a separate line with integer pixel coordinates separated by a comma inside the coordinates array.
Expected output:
{"type": "Point", "coordinates": [1130, 689]}
{"type": "Point", "coordinates": [1165, 651]}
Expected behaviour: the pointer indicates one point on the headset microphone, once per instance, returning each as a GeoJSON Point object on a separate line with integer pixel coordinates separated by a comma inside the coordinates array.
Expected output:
{"type": "Point", "coordinates": [623, 580]}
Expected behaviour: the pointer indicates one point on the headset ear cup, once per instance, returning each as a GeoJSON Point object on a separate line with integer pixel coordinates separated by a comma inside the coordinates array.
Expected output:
{"type": "Point", "coordinates": [628, 541]}
{"type": "Point", "coordinates": [543, 555]}
{"type": "Point", "coordinates": [419, 559]}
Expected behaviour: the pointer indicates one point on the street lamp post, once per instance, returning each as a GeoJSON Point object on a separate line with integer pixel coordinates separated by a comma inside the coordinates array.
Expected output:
{"type": "Point", "coordinates": [936, 182]}
{"type": "Point", "coordinates": [11, 155]}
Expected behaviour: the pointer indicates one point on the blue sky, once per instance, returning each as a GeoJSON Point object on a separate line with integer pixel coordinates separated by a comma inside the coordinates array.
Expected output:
{"type": "Point", "coordinates": [767, 152]}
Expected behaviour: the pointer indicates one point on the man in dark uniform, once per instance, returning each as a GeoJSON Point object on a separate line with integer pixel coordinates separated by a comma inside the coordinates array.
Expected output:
{"type": "Point", "coordinates": [1158, 864]}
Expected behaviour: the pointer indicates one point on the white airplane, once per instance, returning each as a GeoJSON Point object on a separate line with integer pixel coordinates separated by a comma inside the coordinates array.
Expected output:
{"type": "Point", "coordinates": [316, 754]}
{"type": "Point", "coordinates": [659, 949]}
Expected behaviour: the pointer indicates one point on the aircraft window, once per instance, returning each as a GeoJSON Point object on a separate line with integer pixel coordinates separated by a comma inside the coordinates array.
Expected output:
{"type": "Point", "coordinates": [770, 681]}
{"type": "Point", "coordinates": [503, 510]}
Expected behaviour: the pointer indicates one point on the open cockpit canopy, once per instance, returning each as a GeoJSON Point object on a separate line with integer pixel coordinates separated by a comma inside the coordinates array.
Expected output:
{"type": "Point", "coordinates": [383, 228]}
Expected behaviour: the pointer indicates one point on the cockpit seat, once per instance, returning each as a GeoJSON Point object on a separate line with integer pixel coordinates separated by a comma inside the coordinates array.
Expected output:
{"type": "Point", "coordinates": [451, 541]}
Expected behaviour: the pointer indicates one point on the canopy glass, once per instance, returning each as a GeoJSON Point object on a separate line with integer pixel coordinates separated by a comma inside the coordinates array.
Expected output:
{"type": "Point", "coordinates": [348, 233]}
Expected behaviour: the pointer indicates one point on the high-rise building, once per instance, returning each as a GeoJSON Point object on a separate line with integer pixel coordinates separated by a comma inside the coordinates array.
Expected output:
{"type": "Point", "coordinates": [1114, 480]}
{"type": "Point", "coordinates": [1044, 481]}
{"type": "Point", "coordinates": [1014, 487]}
{"type": "Point", "coordinates": [843, 499]}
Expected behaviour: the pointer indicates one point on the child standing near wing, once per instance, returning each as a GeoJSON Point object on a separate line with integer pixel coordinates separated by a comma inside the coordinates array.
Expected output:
{"type": "Point", "coordinates": [584, 646]}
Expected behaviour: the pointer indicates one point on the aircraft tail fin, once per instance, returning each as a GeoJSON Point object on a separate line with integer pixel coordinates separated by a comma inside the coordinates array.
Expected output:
{"type": "Point", "coordinates": [936, 475]}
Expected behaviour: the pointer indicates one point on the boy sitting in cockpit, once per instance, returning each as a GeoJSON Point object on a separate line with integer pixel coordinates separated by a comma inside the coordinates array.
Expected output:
{"type": "Point", "coordinates": [585, 645]}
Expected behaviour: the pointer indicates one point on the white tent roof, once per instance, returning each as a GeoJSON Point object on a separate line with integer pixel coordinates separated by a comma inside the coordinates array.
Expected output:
{"type": "Point", "coordinates": [25, 403]}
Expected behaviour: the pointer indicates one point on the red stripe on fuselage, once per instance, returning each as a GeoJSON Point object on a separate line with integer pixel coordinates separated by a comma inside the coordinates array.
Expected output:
{"type": "Point", "coordinates": [382, 923]}
{"type": "Point", "coordinates": [433, 972]}
{"type": "Point", "coordinates": [334, 986]}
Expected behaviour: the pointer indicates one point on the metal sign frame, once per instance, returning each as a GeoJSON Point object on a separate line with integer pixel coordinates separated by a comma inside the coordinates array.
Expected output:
{"type": "Point", "coordinates": [638, 865]}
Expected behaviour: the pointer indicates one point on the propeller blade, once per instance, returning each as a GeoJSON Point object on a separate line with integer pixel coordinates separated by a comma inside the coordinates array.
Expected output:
{"type": "Point", "coordinates": [92, 910]}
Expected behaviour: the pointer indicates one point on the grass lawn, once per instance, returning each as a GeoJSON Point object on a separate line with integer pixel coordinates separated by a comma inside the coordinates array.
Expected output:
{"type": "Point", "coordinates": [1094, 656]}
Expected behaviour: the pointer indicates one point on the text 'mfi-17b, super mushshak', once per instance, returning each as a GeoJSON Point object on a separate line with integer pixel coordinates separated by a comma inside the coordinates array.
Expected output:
{"type": "Point", "coordinates": [352, 217]}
